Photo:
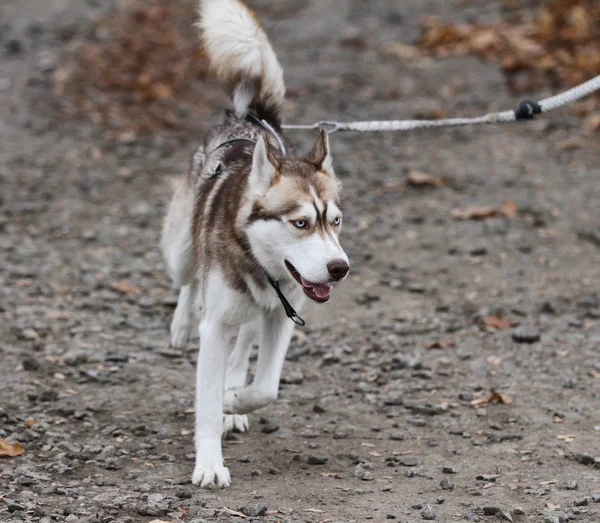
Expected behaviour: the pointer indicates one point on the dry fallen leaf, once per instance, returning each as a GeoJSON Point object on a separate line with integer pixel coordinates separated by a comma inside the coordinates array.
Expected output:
{"type": "Point", "coordinates": [559, 43]}
{"type": "Point", "coordinates": [508, 209]}
{"type": "Point", "coordinates": [492, 398]}
{"type": "Point", "coordinates": [10, 449]}
{"type": "Point", "coordinates": [421, 179]}
{"type": "Point", "coordinates": [497, 323]}
{"type": "Point", "coordinates": [123, 287]}
{"type": "Point", "coordinates": [234, 513]}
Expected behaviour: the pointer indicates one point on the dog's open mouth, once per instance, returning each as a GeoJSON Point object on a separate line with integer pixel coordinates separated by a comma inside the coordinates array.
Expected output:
{"type": "Point", "coordinates": [318, 292]}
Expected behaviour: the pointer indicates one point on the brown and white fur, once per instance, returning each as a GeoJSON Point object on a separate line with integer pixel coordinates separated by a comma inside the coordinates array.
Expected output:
{"type": "Point", "coordinates": [243, 212]}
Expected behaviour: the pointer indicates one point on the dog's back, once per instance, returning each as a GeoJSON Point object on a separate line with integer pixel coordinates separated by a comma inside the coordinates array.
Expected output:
{"type": "Point", "coordinates": [243, 60]}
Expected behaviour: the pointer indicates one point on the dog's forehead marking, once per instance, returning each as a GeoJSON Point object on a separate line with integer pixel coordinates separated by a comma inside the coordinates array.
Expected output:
{"type": "Point", "coordinates": [318, 202]}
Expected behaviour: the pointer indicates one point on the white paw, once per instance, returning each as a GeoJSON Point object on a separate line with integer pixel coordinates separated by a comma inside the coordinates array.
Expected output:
{"type": "Point", "coordinates": [211, 476]}
{"type": "Point", "coordinates": [180, 333]}
{"type": "Point", "coordinates": [235, 422]}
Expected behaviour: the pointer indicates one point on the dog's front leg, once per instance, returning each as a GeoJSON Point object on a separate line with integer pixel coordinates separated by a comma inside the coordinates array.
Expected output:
{"type": "Point", "coordinates": [237, 370]}
{"type": "Point", "coordinates": [210, 383]}
{"type": "Point", "coordinates": [276, 332]}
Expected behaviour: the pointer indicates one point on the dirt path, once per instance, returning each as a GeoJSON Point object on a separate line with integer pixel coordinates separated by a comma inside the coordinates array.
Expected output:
{"type": "Point", "coordinates": [374, 419]}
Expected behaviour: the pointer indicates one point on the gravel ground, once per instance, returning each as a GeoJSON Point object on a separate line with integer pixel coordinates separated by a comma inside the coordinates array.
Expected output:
{"type": "Point", "coordinates": [375, 419]}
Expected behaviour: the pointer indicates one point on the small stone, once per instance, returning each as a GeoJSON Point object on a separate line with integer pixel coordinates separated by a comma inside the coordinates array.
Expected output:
{"type": "Point", "coordinates": [428, 513]}
{"type": "Point", "coordinates": [13, 46]}
{"type": "Point", "coordinates": [393, 398]}
{"type": "Point", "coordinates": [526, 335]}
{"type": "Point", "coordinates": [397, 436]}
{"type": "Point", "coordinates": [490, 511]}
{"type": "Point", "coordinates": [409, 461]}
{"type": "Point", "coordinates": [415, 288]}
{"type": "Point", "coordinates": [317, 460]}
{"type": "Point", "coordinates": [362, 471]}
{"type": "Point", "coordinates": [446, 484]}
{"type": "Point", "coordinates": [569, 485]}
{"type": "Point", "coordinates": [13, 506]}
{"type": "Point", "coordinates": [552, 518]}
{"type": "Point", "coordinates": [76, 357]}
{"type": "Point", "coordinates": [48, 395]}
{"type": "Point", "coordinates": [183, 494]}
{"type": "Point", "coordinates": [584, 458]}
{"type": "Point", "coordinates": [318, 409]}
{"type": "Point", "coordinates": [472, 516]}
{"type": "Point", "coordinates": [449, 470]}
{"type": "Point", "coordinates": [293, 378]}
{"type": "Point", "coordinates": [72, 518]}
{"type": "Point", "coordinates": [581, 502]}
{"type": "Point", "coordinates": [254, 510]}
{"type": "Point", "coordinates": [30, 364]}
{"type": "Point", "coordinates": [478, 250]}
{"type": "Point", "coordinates": [244, 459]}
{"type": "Point", "coordinates": [269, 428]}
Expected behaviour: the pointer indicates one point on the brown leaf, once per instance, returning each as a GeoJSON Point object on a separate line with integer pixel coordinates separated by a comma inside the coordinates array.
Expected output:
{"type": "Point", "coordinates": [473, 213]}
{"type": "Point", "coordinates": [421, 178]}
{"type": "Point", "coordinates": [492, 398]}
{"type": "Point", "coordinates": [10, 449]}
{"type": "Point", "coordinates": [123, 287]}
{"type": "Point", "coordinates": [497, 323]}
{"type": "Point", "coordinates": [508, 209]}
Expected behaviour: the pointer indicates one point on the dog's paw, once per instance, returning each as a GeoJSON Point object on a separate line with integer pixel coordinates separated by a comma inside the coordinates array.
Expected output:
{"type": "Point", "coordinates": [212, 476]}
{"type": "Point", "coordinates": [180, 333]}
{"type": "Point", "coordinates": [235, 423]}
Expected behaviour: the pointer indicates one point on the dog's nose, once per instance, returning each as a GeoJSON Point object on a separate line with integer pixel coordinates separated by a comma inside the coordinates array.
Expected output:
{"type": "Point", "coordinates": [338, 269]}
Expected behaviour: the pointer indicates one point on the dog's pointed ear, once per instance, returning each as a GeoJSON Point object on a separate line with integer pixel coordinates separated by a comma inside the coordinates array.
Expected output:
{"type": "Point", "coordinates": [265, 167]}
{"type": "Point", "coordinates": [320, 156]}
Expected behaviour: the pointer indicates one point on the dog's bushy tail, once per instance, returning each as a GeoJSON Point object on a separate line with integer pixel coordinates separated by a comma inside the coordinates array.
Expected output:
{"type": "Point", "coordinates": [241, 55]}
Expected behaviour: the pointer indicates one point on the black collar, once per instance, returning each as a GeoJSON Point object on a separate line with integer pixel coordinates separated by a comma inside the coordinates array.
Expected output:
{"type": "Point", "coordinates": [289, 310]}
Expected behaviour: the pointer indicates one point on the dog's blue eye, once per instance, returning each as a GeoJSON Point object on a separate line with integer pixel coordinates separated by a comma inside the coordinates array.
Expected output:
{"type": "Point", "coordinates": [300, 224]}
{"type": "Point", "coordinates": [337, 221]}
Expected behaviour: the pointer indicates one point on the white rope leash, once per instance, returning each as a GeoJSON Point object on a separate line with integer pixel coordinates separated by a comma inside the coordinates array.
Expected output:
{"type": "Point", "coordinates": [525, 111]}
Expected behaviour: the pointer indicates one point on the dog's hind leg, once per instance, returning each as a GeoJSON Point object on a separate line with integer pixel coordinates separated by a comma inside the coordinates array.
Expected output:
{"type": "Point", "coordinates": [176, 243]}
{"type": "Point", "coordinates": [184, 316]}
{"type": "Point", "coordinates": [237, 371]}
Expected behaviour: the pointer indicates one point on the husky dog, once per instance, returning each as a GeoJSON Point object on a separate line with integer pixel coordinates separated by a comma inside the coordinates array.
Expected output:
{"type": "Point", "coordinates": [249, 233]}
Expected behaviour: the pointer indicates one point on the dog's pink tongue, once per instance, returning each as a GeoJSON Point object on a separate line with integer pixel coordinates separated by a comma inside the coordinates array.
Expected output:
{"type": "Point", "coordinates": [321, 290]}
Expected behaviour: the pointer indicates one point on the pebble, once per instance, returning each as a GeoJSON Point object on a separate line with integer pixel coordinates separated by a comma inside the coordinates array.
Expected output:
{"type": "Point", "coordinates": [584, 458]}
{"type": "Point", "coordinates": [363, 471]}
{"type": "Point", "coordinates": [317, 460]}
{"type": "Point", "coordinates": [318, 409]}
{"type": "Point", "coordinates": [526, 335]}
{"type": "Point", "coordinates": [293, 378]}
{"type": "Point", "coordinates": [449, 470]}
{"type": "Point", "coordinates": [397, 436]}
{"type": "Point", "coordinates": [30, 364]}
{"type": "Point", "coordinates": [269, 428]}
{"type": "Point", "coordinates": [392, 398]}
{"type": "Point", "coordinates": [254, 510]}
{"type": "Point", "coordinates": [409, 461]}
{"type": "Point", "coordinates": [427, 512]}
{"type": "Point", "coordinates": [446, 484]}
